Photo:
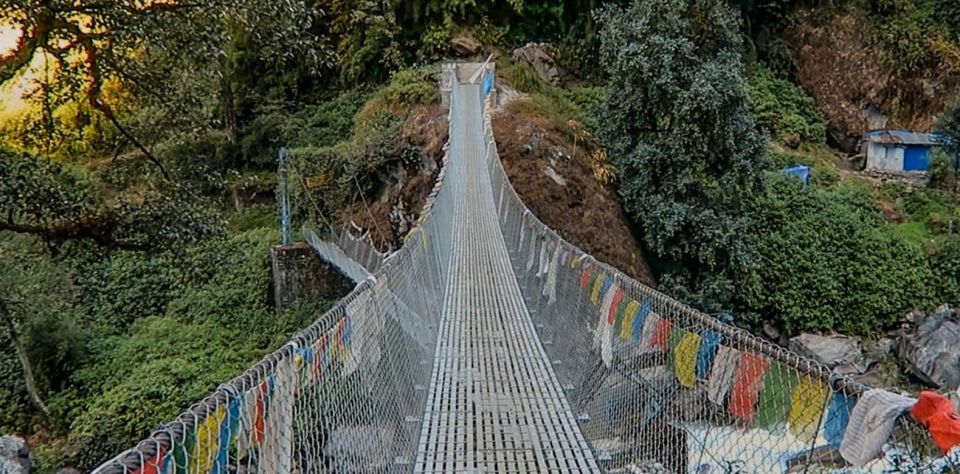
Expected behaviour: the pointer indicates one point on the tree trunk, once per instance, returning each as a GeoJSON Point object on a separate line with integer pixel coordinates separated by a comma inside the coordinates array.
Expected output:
{"type": "Point", "coordinates": [226, 101]}
{"type": "Point", "coordinates": [28, 378]}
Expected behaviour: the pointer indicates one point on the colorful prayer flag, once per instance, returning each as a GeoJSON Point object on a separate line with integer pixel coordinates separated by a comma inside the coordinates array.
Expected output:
{"type": "Point", "coordinates": [183, 450]}
{"type": "Point", "coordinates": [721, 375]}
{"type": "Point", "coordinates": [220, 465]}
{"type": "Point", "coordinates": [639, 318]}
{"type": "Point", "coordinates": [586, 276]}
{"type": "Point", "coordinates": [598, 282]}
{"type": "Point", "coordinates": [807, 403]}
{"type": "Point", "coordinates": [685, 359]}
{"type": "Point", "coordinates": [661, 335]}
{"type": "Point", "coordinates": [838, 416]}
{"type": "Point", "coordinates": [676, 335]}
{"type": "Point", "coordinates": [649, 330]}
{"type": "Point", "coordinates": [625, 317]}
{"type": "Point", "coordinates": [259, 427]}
{"type": "Point", "coordinates": [153, 465]}
{"type": "Point", "coordinates": [208, 434]}
{"type": "Point", "coordinates": [708, 350]}
{"type": "Point", "coordinates": [618, 295]}
{"type": "Point", "coordinates": [746, 386]}
{"type": "Point", "coordinates": [773, 404]}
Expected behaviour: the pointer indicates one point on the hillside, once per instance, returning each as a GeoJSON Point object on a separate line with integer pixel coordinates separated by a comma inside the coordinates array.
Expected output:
{"type": "Point", "coordinates": [856, 87]}
{"type": "Point", "coordinates": [139, 185]}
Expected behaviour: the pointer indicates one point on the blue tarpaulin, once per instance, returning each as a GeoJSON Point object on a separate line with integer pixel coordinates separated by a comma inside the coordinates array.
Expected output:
{"type": "Point", "coordinates": [487, 84]}
{"type": "Point", "coordinates": [800, 172]}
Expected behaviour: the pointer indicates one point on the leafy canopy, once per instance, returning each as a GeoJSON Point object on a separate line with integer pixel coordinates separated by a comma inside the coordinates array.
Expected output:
{"type": "Point", "coordinates": [678, 128]}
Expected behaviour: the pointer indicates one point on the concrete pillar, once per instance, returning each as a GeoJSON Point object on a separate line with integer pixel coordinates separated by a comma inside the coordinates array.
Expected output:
{"type": "Point", "coordinates": [297, 272]}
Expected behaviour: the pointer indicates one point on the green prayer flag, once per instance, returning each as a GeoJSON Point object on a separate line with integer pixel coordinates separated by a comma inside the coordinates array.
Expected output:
{"type": "Point", "coordinates": [621, 309]}
{"type": "Point", "coordinates": [676, 335]}
{"type": "Point", "coordinates": [182, 452]}
{"type": "Point", "coordinates": [774, 402]}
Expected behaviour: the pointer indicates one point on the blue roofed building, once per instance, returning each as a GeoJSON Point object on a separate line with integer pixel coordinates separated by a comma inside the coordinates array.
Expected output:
{"type": "Point", "coordinates": [898, 150]}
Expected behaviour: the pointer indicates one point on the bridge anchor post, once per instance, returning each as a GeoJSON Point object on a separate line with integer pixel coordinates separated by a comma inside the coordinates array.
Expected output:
{"type": "Point", "coordinates": [298, 273]}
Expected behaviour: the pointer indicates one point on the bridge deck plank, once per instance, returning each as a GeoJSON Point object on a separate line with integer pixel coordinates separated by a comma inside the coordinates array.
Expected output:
{"type": "Point", "coordinates": [495, 404]}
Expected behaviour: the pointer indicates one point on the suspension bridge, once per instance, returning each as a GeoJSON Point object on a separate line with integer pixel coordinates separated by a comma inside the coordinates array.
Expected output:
{"type": "Point", "coordinates": [489, 344]}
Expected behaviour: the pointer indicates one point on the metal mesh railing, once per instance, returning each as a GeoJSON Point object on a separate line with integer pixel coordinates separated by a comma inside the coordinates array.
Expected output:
{"type": "Point", "coordinates": [653, 386]}
{"type": "Point", "coordinates": [344, 395]}
{"type": "Point", "coordinates": [658, 386]}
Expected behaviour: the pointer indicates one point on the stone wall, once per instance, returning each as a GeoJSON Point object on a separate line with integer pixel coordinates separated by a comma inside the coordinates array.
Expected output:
{"type": "Point", "coordinates": [297, 272]}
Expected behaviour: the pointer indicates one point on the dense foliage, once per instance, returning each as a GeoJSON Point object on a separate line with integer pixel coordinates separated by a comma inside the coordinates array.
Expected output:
{"type": "Point", "coordinates": [782, 108]}
{"type": "Point", "coordinates": [916, 35]}
{"type": "Point", "coordinates": [825, 261]}
{"type": "Point", "coordinates": [679, 130]}
{"type": "Point", "coordinates": [136, 183]}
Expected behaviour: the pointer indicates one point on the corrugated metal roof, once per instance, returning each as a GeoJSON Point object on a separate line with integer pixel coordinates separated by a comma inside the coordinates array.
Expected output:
{"type": "Point", "coordinates": [902, 137]}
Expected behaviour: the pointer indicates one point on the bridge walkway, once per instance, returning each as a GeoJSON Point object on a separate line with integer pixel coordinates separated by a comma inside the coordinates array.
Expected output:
{"type": "Point", "coordinates": [495, 404]}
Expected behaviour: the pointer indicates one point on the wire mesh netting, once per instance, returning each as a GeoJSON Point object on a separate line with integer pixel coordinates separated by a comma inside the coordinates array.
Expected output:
{"type": "Point", "coordinates": [487, 343]}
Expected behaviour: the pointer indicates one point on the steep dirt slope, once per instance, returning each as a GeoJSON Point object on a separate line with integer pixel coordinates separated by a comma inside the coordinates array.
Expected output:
{"type": "Point", "coordinates": [563, 192]}
{"type": "Point", "coordinates": [419, 150]}
{"type": "Point", "coordinates": [846, 76]}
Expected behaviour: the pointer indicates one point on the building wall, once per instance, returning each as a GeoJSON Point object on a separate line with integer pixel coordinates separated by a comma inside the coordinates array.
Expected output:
{"type": "Point", "coordinates": [884, 157]}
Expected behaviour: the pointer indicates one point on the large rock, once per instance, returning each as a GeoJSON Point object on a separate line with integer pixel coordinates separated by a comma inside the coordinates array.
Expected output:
{"type": "Point", "coordinates": [538, 57]}
{"type": "Point", "coordinates": [14, 456]}
{"type": "Point", "coordinates": [840, 353]}
{"type": "Point", "coordinates": [465, 45]}
{"type": "Point", "coordinates": [932, 351]}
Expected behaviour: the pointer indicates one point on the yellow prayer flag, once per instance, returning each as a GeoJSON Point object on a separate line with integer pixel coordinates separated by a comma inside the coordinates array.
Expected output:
{"type": "Point", "coordinates": [597, 284]}
{"type": "Point", "coordinates": [807, 402]}
{"type": "Point", "coordinates": [626, 326]}
{"type": "Point", "coordinates": [208, 440]}
{"type": "Point", "coordinates": [685, 359]}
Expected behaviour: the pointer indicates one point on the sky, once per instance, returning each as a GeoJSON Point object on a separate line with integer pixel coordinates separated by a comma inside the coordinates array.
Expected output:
{"type": "Point", "coordinates": [10, 94]}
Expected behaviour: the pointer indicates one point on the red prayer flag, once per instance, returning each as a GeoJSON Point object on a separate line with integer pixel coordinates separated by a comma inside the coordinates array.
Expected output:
{"type": "Point", "coordinates": [746, 386]}
{"type": "Point", "coordinates": [318, 356]}
{"type": "Point", "coordinates": [152, 465]}
{"type": "Point", "coordinates": [261, 413]}
{"type": "Point", "coordinates": [612, 314]}
{"type": "Point", "coordinates": [661, 335]}
{"type": "Point", "coordinates": [585, 278]}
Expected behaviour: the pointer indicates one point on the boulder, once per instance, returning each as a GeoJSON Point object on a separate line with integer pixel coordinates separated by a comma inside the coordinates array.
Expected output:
{"type": "Point", "coordinates": [465, 45]}
{"type": "Point", "coordinates": [14, 456]}
{"type": "Point", "coordinates": [537, 56]}
{"type": "Point", "coordinates": [843, 140]}
{"type": "Point", "coordinates": [932, 350]}
{"type": "Point", "coordinates": [880, 350]}
{"type": "Point", "coordinates": [840, 353]}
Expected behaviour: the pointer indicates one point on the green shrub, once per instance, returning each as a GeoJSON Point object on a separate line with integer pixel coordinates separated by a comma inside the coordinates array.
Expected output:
{"type": "Point", "coordinates": [825, 261]}
{"type": "Point", "coordinates": [943, 172]}
{"type": "Point", "coordinates": [211, 331]}
{"type": "Point", "coordinates": [943, 256]}
{"type": "Point", "coordinates": [784, 109]}
{"type": "Point", "coordinates": [520, 76]}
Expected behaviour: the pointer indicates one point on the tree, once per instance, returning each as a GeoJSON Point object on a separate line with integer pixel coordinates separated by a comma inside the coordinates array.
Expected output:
{"type": "Point", "coordinates": [60, 204]}
{"type": "Point", "coordinates": [677, 125]}
{"type": "Point", "coordinates": [948, 126]}
{"type": "Point", "coordinates": [158, 50]}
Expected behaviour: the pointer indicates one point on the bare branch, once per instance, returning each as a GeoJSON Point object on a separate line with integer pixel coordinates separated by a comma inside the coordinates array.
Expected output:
{"type": "Point", "coordinates": [29, 379]}
{"type": "Point", "coordinates": [98, 228]}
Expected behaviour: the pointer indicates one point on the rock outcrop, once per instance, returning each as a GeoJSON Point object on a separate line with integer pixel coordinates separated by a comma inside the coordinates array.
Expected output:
{"type": "Point", "coordinates": [932, 350]}
{"type": "Point", "coordinates": [841, 353]}
{"type": "Point", "coordinates": [14, 456]}
{"type": "Point", "coordinates": [538, 57]}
